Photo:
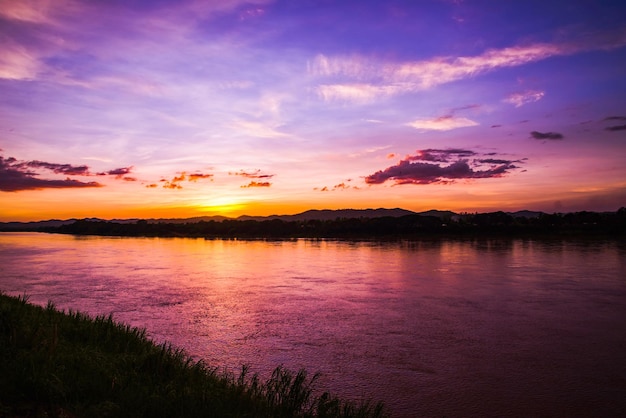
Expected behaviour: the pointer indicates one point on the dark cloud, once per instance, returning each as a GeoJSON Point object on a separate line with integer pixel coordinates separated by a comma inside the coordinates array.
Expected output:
{"type": "Point", "coordinates": [408, 171]}
{"type": "Point", "coordinates": [17, 176]}
{"type": "Point", "coordinates": [440, 155]}
{"type": "Point", "coordinates": [120, 172]}
{"type": "Point", "coordinates": [495, 161]}
{"type": "Point", "coordinates": [256, 174]}
{"type": "Point", "coordinates": [257, 184]}
{"type": "Point", "coordinates": [616, 128]}
{"type": "Point", "coordinates": [67, 169]}
{"type": "Point", "coordinates": [546, 135]}
{"type": "Point", "coordinates": [615, 118]}
{"type": "Point", "coordinates": [496, 126]}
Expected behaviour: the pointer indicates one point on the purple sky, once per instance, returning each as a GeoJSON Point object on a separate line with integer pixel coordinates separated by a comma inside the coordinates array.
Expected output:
{"type": "Point", "coordinates": [183, 108]}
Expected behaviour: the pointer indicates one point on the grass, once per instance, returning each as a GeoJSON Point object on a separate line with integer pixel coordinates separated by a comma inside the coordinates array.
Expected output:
{"type": "Point", "coordinates": [58, 364]}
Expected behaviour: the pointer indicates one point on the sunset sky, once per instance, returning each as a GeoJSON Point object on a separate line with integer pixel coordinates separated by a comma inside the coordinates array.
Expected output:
{"type": "Point", "coordinates": [154, 108]}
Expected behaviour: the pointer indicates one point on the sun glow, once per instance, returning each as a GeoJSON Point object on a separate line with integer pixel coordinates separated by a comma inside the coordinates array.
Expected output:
{"type": "Point", "coordinates": [223, 205]}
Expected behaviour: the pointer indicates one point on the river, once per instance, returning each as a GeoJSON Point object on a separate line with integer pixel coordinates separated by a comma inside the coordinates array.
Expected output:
{"type": "Point", "coordinates": [431, 328]}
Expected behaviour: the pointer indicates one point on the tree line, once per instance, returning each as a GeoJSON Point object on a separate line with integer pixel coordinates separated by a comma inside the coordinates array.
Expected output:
{"type": "Point", "coordinates": [409, 226]}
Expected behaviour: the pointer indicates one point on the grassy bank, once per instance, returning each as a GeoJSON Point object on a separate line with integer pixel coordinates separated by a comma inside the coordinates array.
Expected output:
{"type": "Point", "coordinates": [57, 364]}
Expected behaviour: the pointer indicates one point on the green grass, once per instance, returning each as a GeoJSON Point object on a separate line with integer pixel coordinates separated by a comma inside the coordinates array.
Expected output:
{"type": "Point", "coordinates": [58, 364]}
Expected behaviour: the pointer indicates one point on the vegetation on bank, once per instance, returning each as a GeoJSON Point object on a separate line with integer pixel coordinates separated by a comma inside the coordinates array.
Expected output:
{"type": "Point", "coordinates": [386, 227]}
{"type": "Point", "coordinates": [57, 364]}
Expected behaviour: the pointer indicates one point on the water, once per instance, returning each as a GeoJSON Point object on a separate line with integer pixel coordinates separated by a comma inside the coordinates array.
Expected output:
{"type": "Point", "coordinates": [432, 328]}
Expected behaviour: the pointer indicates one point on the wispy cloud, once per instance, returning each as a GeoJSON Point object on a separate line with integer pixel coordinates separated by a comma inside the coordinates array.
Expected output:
{"type": "Point", "coordinates": [442, 123]}
{"type": "Point", "coordinates": [615, 128]}
{"type": "Point", "coordinates": [546, 135]}
{"type": "Point", "coordinates": [442, 166]}
{"type": "Point", "coordinates": [67, 169]}
{"type": "Point", "coordinates": [258, 129]}
{"type": "Point", "coordinates": [340, 186]}
{"type": "Point", "coordinates": [254, 174]}
{"type": "Point", "coordinates": [360, 79]}
{"type": "Point", "coordinates": [520, 99]}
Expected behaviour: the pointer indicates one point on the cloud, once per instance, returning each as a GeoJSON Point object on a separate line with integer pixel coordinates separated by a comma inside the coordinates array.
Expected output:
{"type": "Point", "coordinates": [546, 135]}
{"type": "Point", "coordinates": [520, 99]}
{"type": "Point", "coordinates": [174, 183]}
{"type": "Point", "coordinates": [442, 123]}
{"type": "Point", "coordinates": [67, 169]}
{"type": "Point", "coordinates": [361, 79]}
{"type": "Point", "coordinates": [198, 176]}
{"type": "Point", "coordinates": [18, 63]}
{"type": "Point", "coordinates": [256, 174]}
{"type": "Point", "coordinates": [616, 128]}
{"type": "Point", "coordinates": [171, 185]}
{"type": "Point", "coordinates": [340, 186]}
{"type": "Point", "coordinates": [120, 171]}
{"type": "Point", "coordinates": [407, 171]}
{"type": "Point", "coordinates": [440, 155]}
{"type": "Point", "coordinates": [17, 176]}
{"type": "Point", "coordinates": [358, 92]}
{"type": "Point", "coordinates": [257, 184]}
{"type": "Point", "coordinates": [258, 129]}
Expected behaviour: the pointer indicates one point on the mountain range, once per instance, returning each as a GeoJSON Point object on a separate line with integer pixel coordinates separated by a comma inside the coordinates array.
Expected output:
{"type": "Point", "coordinates": [313, 214]}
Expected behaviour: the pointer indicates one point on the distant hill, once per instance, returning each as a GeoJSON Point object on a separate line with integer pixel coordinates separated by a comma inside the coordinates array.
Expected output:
{"type": "Point", "coordinates": [347, 223]}
{"type": "Point", "coordinates": [525, 214]}
{"type": "Point", "coordinates": [442, 214]}
{"type": "Point", "coordinates": [329, 214]}
{"type": "Point", "coordinates": [22, 226]}
{"type": "Point", "coordinates": [313, 214]}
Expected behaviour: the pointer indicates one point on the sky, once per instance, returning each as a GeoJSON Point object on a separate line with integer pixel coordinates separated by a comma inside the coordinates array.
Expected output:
{"type": "Point", "coordinates": [152, 108]}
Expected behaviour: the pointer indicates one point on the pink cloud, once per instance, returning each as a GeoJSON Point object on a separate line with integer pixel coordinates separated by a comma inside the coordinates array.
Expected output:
{"type": "Point", "coordinates": [442, 123]}
{"type": "Point", "coordinates": [520, 99]}
{"type": "Point", "coordinates": [364, 80]}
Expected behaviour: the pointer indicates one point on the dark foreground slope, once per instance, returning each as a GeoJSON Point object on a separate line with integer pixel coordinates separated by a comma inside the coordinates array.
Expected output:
{"type": "Point", "coordinates": [57, 364]}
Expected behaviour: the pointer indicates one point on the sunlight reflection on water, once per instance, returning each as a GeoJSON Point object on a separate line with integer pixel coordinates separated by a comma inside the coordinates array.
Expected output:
{"type": "Point", "coordinates": [475, 327]}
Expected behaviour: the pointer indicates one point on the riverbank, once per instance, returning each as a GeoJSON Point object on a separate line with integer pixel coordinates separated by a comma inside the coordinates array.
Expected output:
{"type": "Point", "coordinates": [67, 364]}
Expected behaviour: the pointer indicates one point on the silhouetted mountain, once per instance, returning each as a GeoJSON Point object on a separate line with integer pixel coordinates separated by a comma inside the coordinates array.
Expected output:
{"type": "Point", "coordinates": [348, 223]}
{"type": "Point", "coordinates": [525, 214]}
{"type": "Point", "coordinates": [23, 226]}
{"type": "Point", "coordinates": [329, 215]}
{"type": "Point", "coordinates": [195, 219]}
{"type": "Point", "coordinates": [441, 214]}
